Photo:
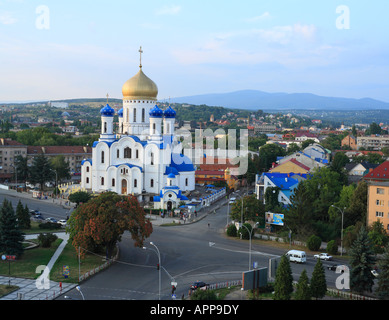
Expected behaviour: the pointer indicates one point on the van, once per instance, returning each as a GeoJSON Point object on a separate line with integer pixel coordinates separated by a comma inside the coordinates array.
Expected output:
{"type": "Point", "coordinates": [296, 256]}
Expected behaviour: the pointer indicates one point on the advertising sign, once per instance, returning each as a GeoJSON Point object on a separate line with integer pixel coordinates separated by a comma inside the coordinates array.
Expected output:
{"type": "Point", "coordinates": [65, 271]}
{"type": "Point", "coordinates": [275, 218]}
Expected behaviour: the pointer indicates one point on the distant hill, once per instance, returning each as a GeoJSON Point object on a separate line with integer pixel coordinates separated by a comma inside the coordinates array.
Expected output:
{"type": "Point", "coordinates": [254, 99]}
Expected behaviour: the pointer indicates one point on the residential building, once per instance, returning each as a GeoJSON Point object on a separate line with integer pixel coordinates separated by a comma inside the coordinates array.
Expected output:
{"type": "Point", "coordinates": [350, 141]}
{"type": "Point", "coordinates": [292, 165]}
{"type": "Point", "coordinates": [373, 142]}
{"type": "Point", "coordinates": [9, 150]}
{"type": "Point", "coordinates": [74, 155]}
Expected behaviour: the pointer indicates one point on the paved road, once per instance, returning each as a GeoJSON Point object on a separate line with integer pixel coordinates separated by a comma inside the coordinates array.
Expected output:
{"type": "Point", "coordinates": [188, 253]}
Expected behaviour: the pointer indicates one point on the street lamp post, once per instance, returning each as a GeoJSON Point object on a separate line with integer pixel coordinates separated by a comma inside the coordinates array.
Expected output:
{"type": "Point", "coordinates": [159, 262]}
{"type": "Point", "coordinates": [250, 232]}
{"type": "Point", "coordinates": [341, 234]}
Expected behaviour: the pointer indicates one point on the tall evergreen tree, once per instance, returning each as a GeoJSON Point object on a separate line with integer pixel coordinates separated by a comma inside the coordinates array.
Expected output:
{"type": "Point", "coordinates": [318, 281]}
{"type": "Point", "coordinates": [383, 278]}
{"type": "Point", "coordinates": [23, 216]}
{"type": "Point", "coordinates": [303, 291]}
{"type": "Point", "coordinates": [41, 171]}
{"type": "Point", "coordinates": [283, 286]}
{"type": "Point", "coordinates": [362, 260]}
{"type": "Point", "coordinates": [11, 237]}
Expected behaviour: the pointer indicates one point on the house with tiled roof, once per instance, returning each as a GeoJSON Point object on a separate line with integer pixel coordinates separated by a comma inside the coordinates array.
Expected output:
{"type": "Point", "coordinates": [291, 165]}
{"type": "Point", "coordinates": [286, 182]}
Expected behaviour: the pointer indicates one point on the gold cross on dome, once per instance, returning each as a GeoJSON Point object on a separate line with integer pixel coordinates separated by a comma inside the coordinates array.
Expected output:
{"type": "Point", "coordinates": [107, 97]}
{"type": "Point", "coordinates": [140, 52]}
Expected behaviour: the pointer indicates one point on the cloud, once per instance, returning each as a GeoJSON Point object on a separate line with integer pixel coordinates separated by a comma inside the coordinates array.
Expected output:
{"type": "Point", "coordinates": [265, 15]}
{"type": "Point", "coordinates": [168, 10]}
{"type": "Point", "coordinates": [7, 18]}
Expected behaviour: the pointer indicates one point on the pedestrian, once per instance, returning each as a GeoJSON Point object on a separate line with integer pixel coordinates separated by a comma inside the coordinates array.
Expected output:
{"type": "Point", "coordinates": [208, 225]}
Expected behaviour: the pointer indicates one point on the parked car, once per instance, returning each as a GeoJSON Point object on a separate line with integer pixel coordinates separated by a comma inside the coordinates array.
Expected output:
{"type": "Point", "coordinates": [199, 285]}
{"type": "Point", "coordinates": [323, 256]}
{"type": "Point", "coordinates": [34, 212]}
{"type": "Point", "coordinates": [374, 273]}
{"type": "Point", "coordinates": [62, 223]}
{"type": "Point", "coordinates": [39, 217]}
{"type": "Point", "coordinates": [51, 220]}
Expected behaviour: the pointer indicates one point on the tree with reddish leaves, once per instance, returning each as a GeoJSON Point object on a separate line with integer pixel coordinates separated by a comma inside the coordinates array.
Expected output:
{"type": "Point", "coordinates": [101, 222]}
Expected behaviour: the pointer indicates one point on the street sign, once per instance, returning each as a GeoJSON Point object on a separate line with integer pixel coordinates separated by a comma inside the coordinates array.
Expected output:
{"type": "Point", "coordinates": [8, 257]}
{"type": "Point", "coordinates": [173, 284]}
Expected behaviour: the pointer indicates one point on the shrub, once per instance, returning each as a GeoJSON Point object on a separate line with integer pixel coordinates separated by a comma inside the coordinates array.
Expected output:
{"type": "Point", "coordinates": [245, 231]}
{"type": "Point", "coordinates": [332, 247]}
{"type": "Point", "coordinates": [47, 239]}
{"type": "Point", "coordinates": [49, 225]}
{"type": "Point", "coordinates": [314, 243]}
{"type": "Point", "coordinates": [231, 231]}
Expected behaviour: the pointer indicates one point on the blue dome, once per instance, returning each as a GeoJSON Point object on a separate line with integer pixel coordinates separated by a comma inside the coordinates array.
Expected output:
{"type": "Point", "coordinates": [171, 176]}
{"type": "Point", "coordinates": [156, 112]}
{"type": "Point", "coordinates": [169, 113]}
{"type": "Point", "coordinates": [107, 111]}
{"type": "Point", "coordinates": [120, 113]}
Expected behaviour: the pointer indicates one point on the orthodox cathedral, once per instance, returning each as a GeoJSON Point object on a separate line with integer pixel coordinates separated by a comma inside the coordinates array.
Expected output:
{"type": "Point", "coordinates": [143, 158]}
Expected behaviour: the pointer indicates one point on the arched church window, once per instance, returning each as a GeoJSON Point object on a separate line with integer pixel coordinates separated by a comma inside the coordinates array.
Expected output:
{"type": "Point", "coordinates": [135, 183]}
{"type": "Point", "coordinates": [105, 127]}
{"type": "Point", "coordinates": [128, 153]}
{"type": "Point", "coordinates": [87, 169]}
{"type": "Point", "coordinates": [128, 115]}
{"type": "Point", "coordinates": [137, 153]}
{"type": "Point", "coordinates": [143, 114]}
{"type": "Point", "coordinates": [152, 158]}
{"type": "Point", "coordinates": [113, 182]}
{"type": "Point", "coordinates": [102, 156]}
{"type": "Point", "coordinates": [117, 153]}
{"type": "Point", "coordinates": [134, 115]}
{"type": "Point", "coordinates": [152, 183]}
{"type": "Point", "coordinates": [102, 181]}
{"type": "Point", "coordinates": [154, 128]}
{"type": "Point", "coordinates": [186, 182]}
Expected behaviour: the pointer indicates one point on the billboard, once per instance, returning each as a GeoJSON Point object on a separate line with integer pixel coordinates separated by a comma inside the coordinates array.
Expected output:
{"type": "Point", "coordinates": [254, 279]}
{"type": "Point", "coordinates": [275, 218]}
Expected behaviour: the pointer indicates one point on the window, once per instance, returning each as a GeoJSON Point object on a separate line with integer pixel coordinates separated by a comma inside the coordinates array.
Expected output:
{"type": "Point", "coordinates": [135, 183]}
{"type": "Point", "coordinates": [152, 159]}
{"type": "Point", "coordinates": [379, 214]}
{"type": "Point", "coordinates": [102, 181]}
{"type": "Point", "coordinates": [102, 156]}
{"type": "Point", "coordinates": [87, 179]}
{"type": "Point", "coordinates": [186, 182]}
{"type": "Point", "coordinates": [380, 191]}
{"type": "Point", "coordinates": [143, 114]}
{"type": "Point", "coordinates": [117, 153]}
{"type": "Point", "coordinates": [137, 153]}
{"type": "Point", "coordinates": [113, 182]}
{"type": "Point", "coordinates": [128, 115]}
{"type": "Point", "coordinates": [105, 127]}
{"type": "Point", "coordinates": [134, 115]}
{"type": "Point", "coordinates": [128, 153]}
{"type": "Point", "coordinates": [152, 183]}
{"type": "Point", "coordinates": [379, 202]}
{"type": "Point", "coordinates": [87, 169]}
{"type": "Point", "coordinates": [154, 128]}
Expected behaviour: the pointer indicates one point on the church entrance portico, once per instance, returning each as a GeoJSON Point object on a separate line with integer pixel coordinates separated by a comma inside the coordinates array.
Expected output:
{"type": "Point", "coordinates": [169, 205]}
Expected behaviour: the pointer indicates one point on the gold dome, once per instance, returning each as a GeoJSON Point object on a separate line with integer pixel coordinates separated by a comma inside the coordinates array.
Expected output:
{"type": "Point", "coordinates": [140, 87]}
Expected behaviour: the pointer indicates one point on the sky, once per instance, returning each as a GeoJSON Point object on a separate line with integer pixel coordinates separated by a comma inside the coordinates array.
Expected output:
{"type": "Point", "coordinates": [53, 50]}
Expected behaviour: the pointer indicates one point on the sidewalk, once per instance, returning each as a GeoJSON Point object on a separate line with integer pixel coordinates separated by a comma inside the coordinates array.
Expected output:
{"type": "Point", "coordinates": [41, 288]}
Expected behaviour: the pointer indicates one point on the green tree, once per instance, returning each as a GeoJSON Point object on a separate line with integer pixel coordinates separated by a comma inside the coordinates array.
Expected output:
{"type": "Point", "coordinates": [22, 169]}
{"type": "Point", "coordinates": [61, 167]}
{"type": "Point", "coordinates": [357, 210]}
{"type": "Point", "coordinates": [268, 154]}
{"type": "Point", "coordinates": [283, 285]}
{"type": "Point", "coordinates": [79, 197]}
{"type": "Point", "coordinates": [101, 222]}
{"type": "Point", "coordinates": [362, 260]}
{"type": "Point", "coordinates": [299, 215]}
{"type": "Point", "coordinates": [11, 237]}
{"type": "Point", "coordinates": [383, 277]}
{"type": "Point", "coordinates": [41, 171]}
{"type": "Point", "coordinates": [303, 291]}
{"type": "Point", "coordinates": [318, 281]}
{"type": "Point", "coordinates": [23, 216]}
{"type": "Point", "coordinates": [253, 209]}
{"type": "Point", "coordinates": [203, 295]}
{"type": "Point", "coordinates": [314, 243]}
{"type": "Point", "coordinates": [378, 236]}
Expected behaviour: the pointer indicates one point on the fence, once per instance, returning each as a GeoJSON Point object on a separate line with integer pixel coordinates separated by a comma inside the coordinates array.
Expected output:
{"type": "Point", "coordinates": [225, 284]}
{"type": "Point", "coordinates": [348, 295]}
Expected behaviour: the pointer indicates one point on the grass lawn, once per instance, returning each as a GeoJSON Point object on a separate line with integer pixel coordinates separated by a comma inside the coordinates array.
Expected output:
{"type": "Point", "coordinates": [5, 289]}
{"type": "Point", "coordinates": [25, 266]}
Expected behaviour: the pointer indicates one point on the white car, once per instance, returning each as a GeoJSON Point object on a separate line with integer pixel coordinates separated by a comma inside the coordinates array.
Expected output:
{"type": "Point", "coordinates": [51, 220]}
{"type": "Point", "coordinates": [62, 223]}
{"type": "Point", "coordinates": [323, 256]}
